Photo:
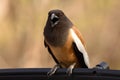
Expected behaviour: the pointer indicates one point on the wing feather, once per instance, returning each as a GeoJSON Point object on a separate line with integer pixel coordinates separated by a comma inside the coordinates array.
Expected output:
{"type": "Point", "coordinates": [80, 49]}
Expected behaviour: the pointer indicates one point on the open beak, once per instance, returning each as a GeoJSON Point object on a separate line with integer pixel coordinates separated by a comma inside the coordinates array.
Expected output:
{"type": "Point", "coordinates": [54, 19]}
{"type": "Point", "coordinates": [53, 16]}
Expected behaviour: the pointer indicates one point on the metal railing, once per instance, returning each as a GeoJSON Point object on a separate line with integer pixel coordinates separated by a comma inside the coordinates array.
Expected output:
{"type": "Point", "coordinates": [41, 74]}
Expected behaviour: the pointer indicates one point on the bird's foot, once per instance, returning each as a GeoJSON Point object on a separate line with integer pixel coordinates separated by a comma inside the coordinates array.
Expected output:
{"type": "Point", "coordinates": [53, 70]}
{"type": "Point", "coordinates": [70, 69]}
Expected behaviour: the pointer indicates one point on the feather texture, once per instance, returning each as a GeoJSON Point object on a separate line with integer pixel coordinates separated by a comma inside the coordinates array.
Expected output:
{"type": "Point", "coordinates": [80, 47]}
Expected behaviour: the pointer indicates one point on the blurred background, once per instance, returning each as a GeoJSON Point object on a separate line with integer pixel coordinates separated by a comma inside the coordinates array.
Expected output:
{"type": "Point", "coordinates": [22, 23]}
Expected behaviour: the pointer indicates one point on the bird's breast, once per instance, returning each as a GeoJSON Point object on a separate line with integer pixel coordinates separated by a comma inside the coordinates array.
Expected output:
{"type": "Point", "coordinates": [65, 54]}
{"type": "Point", "coordinates": [57, 36]}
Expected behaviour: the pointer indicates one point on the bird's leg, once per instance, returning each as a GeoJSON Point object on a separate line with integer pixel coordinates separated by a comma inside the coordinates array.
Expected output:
{"type": "Point", "coordinates": [70, 69]}
{"type": "Point", "coordinates": [53, 70]}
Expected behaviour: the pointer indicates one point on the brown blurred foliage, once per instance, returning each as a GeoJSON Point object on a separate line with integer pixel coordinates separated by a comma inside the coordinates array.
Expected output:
{"type": "Point", "coordinates": [22, 23]}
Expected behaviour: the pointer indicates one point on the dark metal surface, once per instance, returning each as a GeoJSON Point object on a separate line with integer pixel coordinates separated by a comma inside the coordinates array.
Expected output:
{"type": "Point", "coordinates": [41, 74]}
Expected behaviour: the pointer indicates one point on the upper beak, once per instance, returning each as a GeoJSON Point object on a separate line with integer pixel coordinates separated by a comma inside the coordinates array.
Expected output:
{"type": "Point", "coordinates": [53, 16]}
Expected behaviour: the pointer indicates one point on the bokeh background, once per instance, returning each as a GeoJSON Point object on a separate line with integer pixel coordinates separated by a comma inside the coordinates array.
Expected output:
{"type": "Point", "coordinates": [22, 23]}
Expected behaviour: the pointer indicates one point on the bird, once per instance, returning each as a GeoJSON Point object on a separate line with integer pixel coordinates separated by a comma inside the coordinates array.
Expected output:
{"type": "Point", "coordinates": [64, 43]}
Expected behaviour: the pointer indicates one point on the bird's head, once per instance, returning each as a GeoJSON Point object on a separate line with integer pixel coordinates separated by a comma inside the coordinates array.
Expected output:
{"type": "Point", "coordinates": [55, 16]}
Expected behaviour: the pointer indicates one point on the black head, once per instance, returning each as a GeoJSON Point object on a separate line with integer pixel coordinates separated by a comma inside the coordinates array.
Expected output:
{"type": "Point", "coordinates": [56, 16]}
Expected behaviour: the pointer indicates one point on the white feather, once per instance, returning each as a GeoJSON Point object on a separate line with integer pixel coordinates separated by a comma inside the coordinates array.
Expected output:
{"type": "Point", "coordinates": [80, 47]}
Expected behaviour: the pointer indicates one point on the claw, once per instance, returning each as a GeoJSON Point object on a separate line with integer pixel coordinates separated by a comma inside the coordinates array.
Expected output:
{"type": "Point", "coordinates": [70, 69]}
{"type": "Point", "coordinates": [53, 70]}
